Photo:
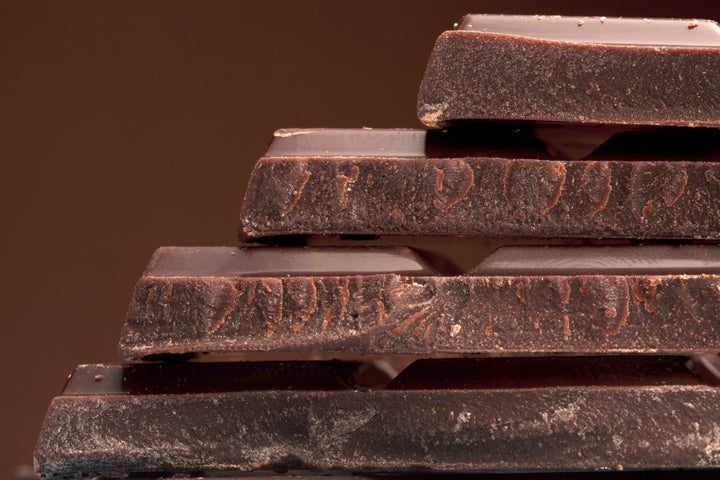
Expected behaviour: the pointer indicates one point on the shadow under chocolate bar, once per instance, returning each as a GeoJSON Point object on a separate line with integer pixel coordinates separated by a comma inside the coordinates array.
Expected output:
{"type": "Point", "coordinates": [589, 70]}
{"type": "Point", "coordinates": [486, 180]}
{"type": "Point", "coordinates": [438, 416]}
{"type": "Point", "coordinates": [361, 300]}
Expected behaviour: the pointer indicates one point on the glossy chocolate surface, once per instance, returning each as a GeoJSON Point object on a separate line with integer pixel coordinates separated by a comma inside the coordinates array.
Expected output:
{"type": "Point", "coordinates": [512, 140]}
{"type": "Point", "coordinates": [659, 32]}
{"type": "Point", "coordinates": [285, 261]}
{"type": "Point", "coordinates": [602, 260]}
{"type": "Point", "coordinates": [323, 142]}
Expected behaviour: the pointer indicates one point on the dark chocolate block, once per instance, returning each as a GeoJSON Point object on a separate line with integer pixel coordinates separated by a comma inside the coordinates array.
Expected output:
{"type": "Point", "coordinates": [379, 182]}
{"type": "Point", "coordinates": [585, 70]}
{"type": "Point", "coordinates": [609, 303]}
{"type": "Point", "coordinates": [606, 413]}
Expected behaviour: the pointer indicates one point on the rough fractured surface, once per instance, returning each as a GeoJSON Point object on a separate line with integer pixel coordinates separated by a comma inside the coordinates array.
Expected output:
{"type": "Point", "coordinates": [497, 76]}
{"type": "Point", "coordinates": [482, 196]}
{"type": "Point", "coordinates": [578, 425]}
{"type": "Point", "coordinates": [391, 313]}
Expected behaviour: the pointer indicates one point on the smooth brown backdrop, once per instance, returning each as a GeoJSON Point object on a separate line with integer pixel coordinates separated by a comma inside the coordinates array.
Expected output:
{"type": "Point", "coordinates": [125, 126]}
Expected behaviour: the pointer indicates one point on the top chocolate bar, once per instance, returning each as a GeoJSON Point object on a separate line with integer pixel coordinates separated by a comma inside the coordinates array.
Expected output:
{"type": "Point", "coordinates": [585, 70]}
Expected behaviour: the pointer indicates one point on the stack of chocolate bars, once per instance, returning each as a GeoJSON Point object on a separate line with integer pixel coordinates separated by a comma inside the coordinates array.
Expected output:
{"type": "Point", "coordinates": [589, 147]}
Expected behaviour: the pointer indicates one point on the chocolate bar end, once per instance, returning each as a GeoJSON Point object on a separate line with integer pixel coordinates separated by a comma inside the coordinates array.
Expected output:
{"type": "Point", "coordinates": [579, 70]}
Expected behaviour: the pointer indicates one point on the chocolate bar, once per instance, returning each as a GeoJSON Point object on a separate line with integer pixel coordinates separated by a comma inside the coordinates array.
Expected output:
{"type": "Point", "coordinates": [501, 183]}
{"type": "Point", "coordinates": [587, 299]}
{"type": "Point", "coordinates": [585, 70]}
{"type": "Point", "coordinates": [476, 415]}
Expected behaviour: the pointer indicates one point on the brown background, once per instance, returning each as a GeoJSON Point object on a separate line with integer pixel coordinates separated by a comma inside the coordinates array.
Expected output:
{"type": "Point", "coordinates": [125, 126]}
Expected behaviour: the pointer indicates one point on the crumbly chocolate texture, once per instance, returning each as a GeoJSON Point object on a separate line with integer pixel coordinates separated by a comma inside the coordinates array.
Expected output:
{"type": "Point", "coordinates": [587, 424]}
{"type": "Point", "coordinates": [491, 197]}
{"type": "Point", "coordinates": [571, 70]}
{"type": "Point", "coordinates": [424, 314]}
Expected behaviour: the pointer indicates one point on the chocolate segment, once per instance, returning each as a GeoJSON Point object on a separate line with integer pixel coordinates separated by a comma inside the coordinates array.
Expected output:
{"type": "Point", "coordinates": [574, 70]}
{"type": "Point", "coordinates": [652, 32]}
{"type": "Point", "coordinates": [290, 142]}
{"type": "Point", "coordinates": [658, 308]}
{"type": "Point", "coordinates": [611, 195]}
{"type": "Point", "coordinates": [491, 426]}
{"type": "Point", "coordinates": [285, 261]}
{"type": "Point", "coordinates": [602, 260]}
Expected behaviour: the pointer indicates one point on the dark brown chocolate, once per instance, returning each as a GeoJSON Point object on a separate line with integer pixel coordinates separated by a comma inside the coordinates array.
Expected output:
{"type": "Point", "coordinates": [620, 191]}
{"type": "Point", "coordinates": [540, 372]}
{"type": "Point", "coordinates": [647, 308]}
{"type": "Point", "coordinates": [667, 419]}
{"type": "Point", "coordinates": [585, 70]}
{"type": "Point", "coordinates": [197, 377]}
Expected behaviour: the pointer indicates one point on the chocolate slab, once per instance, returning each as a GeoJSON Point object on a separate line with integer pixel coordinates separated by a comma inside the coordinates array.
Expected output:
{"type": "Point", "coordinates": [585, 70]}
{"type": "Point", "coordinates": [658, 308]}
{"type": "Point", "coordinates": [668, 421]}
{"type": "Point", "coordinates": [642, 185]}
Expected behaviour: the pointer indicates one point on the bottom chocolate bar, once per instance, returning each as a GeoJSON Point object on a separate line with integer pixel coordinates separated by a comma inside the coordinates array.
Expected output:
{"type": "Point", "coordinates": [438, 416]}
